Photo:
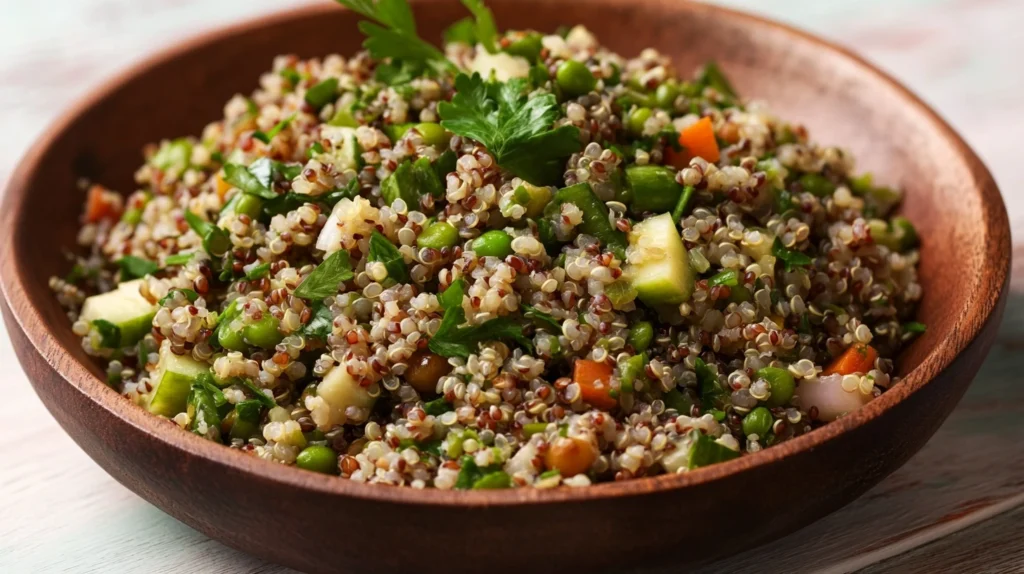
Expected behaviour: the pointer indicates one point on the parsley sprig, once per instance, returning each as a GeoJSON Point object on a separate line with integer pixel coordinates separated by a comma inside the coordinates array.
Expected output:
{"type": "Point", "coordinates": [515, 128]}
{"type": "Point", "coordinates": [454, 340]}
{"type": "Point", "coordinates": [485, 30]}
{"type": "Point", "coordinates": [392, 33]}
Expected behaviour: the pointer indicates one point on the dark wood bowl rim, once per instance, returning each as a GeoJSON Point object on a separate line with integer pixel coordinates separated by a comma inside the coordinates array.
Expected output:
{"type": "Point", "coordinates": [979, 304]}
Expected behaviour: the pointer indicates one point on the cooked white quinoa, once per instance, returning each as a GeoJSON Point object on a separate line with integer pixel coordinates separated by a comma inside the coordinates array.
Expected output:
{"type": "Point", "coordinates": [799, 267]}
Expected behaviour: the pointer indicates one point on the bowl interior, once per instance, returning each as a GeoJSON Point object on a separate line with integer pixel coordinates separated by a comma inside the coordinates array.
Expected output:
{"type": "Point", "coordinates": [950, 197]}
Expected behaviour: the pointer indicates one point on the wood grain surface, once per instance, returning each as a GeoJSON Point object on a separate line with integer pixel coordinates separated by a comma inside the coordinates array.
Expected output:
{"type": "Point", "coordinates": [955, 506]}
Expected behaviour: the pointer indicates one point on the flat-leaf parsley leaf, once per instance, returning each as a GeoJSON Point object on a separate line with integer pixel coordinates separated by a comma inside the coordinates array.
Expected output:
{"type": "Point", "coordinates": [514, 127]}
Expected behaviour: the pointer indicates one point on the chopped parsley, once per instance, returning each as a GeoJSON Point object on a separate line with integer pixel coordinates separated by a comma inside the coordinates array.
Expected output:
{"type": "Point", "coordinates": [215, 239]}
{"type": "Point", "coordinates": [269, 135]}
{"type": "Point", "coordinates": [322, 93]}
{"type": "Point", "coordinates": [454, 340]}
{"type": "Point", "coordinates": [133, 267]}
{"type": "Point", "coordinates": [382, 250]}
{"type": "Point", "coordinates": [791, 257]}
{"type": "Point", "coordinates": [324, 280]}
{"type": "Point", "coordinates": [258, 272]}
{"type": "Point", "coordinates": [392, 33]}
{"type": "Point", "coordinates": [188, 293]}
{"type": "Point", "coordinates": [320, 324]}
{"type": "Point", "coordinates": [514, 127]}
{"type": "Point", "coordinates": [485, 31]}
{"type": "Point", "coordinates": [110, 334]}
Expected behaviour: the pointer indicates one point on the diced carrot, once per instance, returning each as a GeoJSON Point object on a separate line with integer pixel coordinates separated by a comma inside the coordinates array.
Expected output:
{"type": "Point", "coordinates": [222, 186]}
{"type": "Point", "coordinates": [594, 380]}
{"type": "Point", "coordinates": [698, 140]}
{"type": "Point", "coordinates": [859, 358]}
{"type": "Point", "coordinates": [101, 204]}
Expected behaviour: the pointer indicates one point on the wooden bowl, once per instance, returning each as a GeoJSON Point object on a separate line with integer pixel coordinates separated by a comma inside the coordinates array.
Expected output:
{"type": "Point", "coordinates": [319, 523]}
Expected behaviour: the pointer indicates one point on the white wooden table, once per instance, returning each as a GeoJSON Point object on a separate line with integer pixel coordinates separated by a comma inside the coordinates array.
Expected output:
{"type": "Point", "coordinates": [957, 506]}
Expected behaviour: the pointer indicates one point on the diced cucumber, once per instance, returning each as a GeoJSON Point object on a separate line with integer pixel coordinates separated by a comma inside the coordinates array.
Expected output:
{"type": "Point", "coordinates": [706, 451]}
{"type": "Point", "coordinates": [659, 266]}
{"type": "Point", "coordinates": [346, 154]}
{"type": "Point", "coordinates": [340, 391]}
{"type": "Point", "coordinates": [172, 381]}
{"type": "Point", "coordinates": [123, 307]}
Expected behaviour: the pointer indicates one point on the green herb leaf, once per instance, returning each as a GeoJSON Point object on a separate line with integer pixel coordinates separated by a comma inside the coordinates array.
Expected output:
{"type": "Point", "coordinates": [133, 267]}
{"type": "Point", "coordinates": [324, 280]}
{"type": "Point", "coordinates": [320, 324]}
{"type": "Point", "coordinates": [248, 181]}
{"type": "Point", "coordinates": [493, 480]}
{"type": "Point", "coordinates": [257, 392]}
{"type": "Point", "coordinates": [393, 33]}
{"type": "Point", "coordinates": [322, 93]}
{"type": "Point", "coordinates": [258, 272]}
{"type": "Point", "coordinates": [223, 320]}
{"type": "Point", "coordinates": [382, 250]}
{"type": "Point", "coordinates": [188, 293]}
{"type": "Point", "coordinates": [915, 327]}
{"type": "Point", "coordinates": [542, 318]}
{"type": "Point", "coordinates": [266, 137]}
{"type": "Point", "coordinates": [711, 393]}
{"type": "Point", "coordinates": [790, 257]}
{"type": "Point", "coordinates": [485, 30]}
{"type": "Point", "coordinates": [515, 128]}
{"type": "Point", "coordinates": [215, 239]}
{"type": "Point", "coordinates": [729, 278]}
{"type": "Point", "coordinates": [437, 407]}
{"type": "Point", "coordinates": [396, 73]}
{"type": "Point", "coordinates": [292, 75]}
{"type": "Point", "coordinates": [451, 340]}
{"type": "Point", "coordinates": [110, 334]}
{"type": "Point", "coordinates": [684, 200]}
{"type": "Point", "coordinates": [207, 382]}
{"type": "Point", "coordinates": [203, 405]}
{"type": "Point", "coordinates": [451, 297]}
{"type": "Point", "coordinates": [462, 31]}
{"type": "Point", "coordinates": [712, 76]}
{"type": "Point", "coordinates": [178, 259]}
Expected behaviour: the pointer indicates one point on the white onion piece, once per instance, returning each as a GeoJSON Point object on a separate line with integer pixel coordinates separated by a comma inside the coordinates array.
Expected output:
{"type": "Point", "coordinates": [504, 66]}
{"type": "Point", "coordinates": [827, 394]}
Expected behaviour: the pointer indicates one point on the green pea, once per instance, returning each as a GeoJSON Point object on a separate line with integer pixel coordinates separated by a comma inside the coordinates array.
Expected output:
{"type": "Point", "coordinates": [432, 134]}
{"type": "Point", "coordinates": [781, 384]}
{"type": "Point", "coordinates": [249, 205]}
{"type": "Point", "coordinates": [263, 333]}
{"type": "Point", "coordinates": [318, 459]}
{"type": "Point", "coordinates": [396, 131]}
{"type": "Point", "coordinates": [640, 335]}
{"type": "Point", "coordinates": [231, 339]}
{"type": "Point", "coordinates": [494, 243]}
{"type": "Point", "coordinates": [635, 122]}
{"type": "Point", "coordinates": [575, 78]}
{"type": "Point", "coordinates": [529, 47]}
{"type": "Point", "coordinates": [438, 236]}
{"type": "Point", "coordinates": [665, 96]}
{"type": "Point", "coordinates": [758, 421]}
{"type": "Point", "coordinates": [132, 216]}
{"type": "Point", "coordinates": [817, 184]}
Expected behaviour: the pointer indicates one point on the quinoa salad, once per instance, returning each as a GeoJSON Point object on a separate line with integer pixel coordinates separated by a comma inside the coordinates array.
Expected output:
{"type": "Point", "coordinates": [520, 260]}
